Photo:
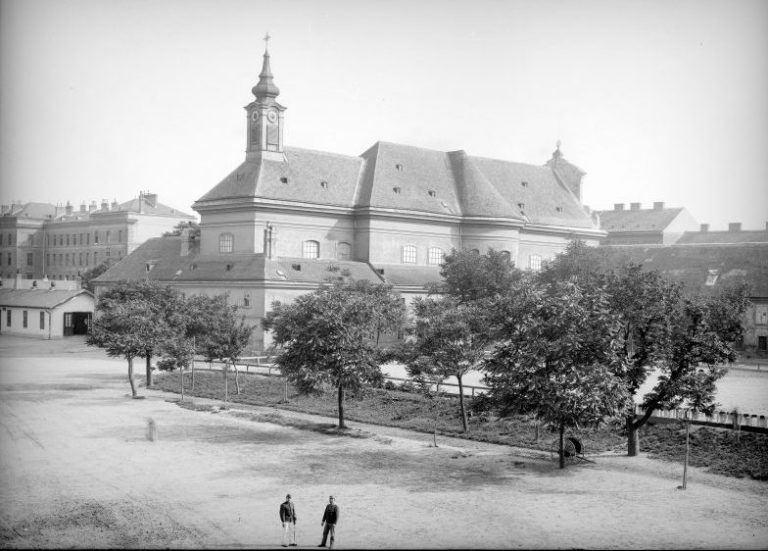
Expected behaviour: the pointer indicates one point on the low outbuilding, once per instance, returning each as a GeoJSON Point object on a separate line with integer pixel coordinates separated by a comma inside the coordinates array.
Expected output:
{"type": "Point", "coordinates": [45, 313]}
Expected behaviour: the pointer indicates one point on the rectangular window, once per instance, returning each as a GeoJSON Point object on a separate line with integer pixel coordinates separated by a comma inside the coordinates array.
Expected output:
{"type": "Point", "coordinates": [311, 249]}
{"type": "Point", "coordinates": [1, 239]}
{"type": "Point", "coordinates": [96, 238]}
{"type": "Point", "coordinates": [67, 240]}
{"type": "Point", "coordinates": [80, 259]}
{"type": "Point", "coordinates": [435, 256]}
{"type": "Point", "coordinates": [409, 254]}
{"type": "Point", "coordinates": [30, 259]}
{"type": "Point", "coordinates": [534, 262]}
{"type": "Point", "coordinates": [24, 319]}
{"type": "Point", "coordinates": [8, 318]}
{"type": "Point", "coordinates": [42, 320]}
{"type": "Point", "coordinates": [108, 253]}
{"type": "Point", "coordinates": [87, 259]}
{"type": "Point", "coordinates": [120, 236]}
{"type": "Point", "coordinates": [87, 238]}
{"type": "Point", "coordinates": [109, 234]}
{"type": "Point", "coordinates": [226, 243]}
{"type": "Point", "coordinates": [10, 259]}
{"type": "Point", "coordinates": [761, 315]}
{"type": "Point", "coordinates": [95, 258]}
{"type": "Point", "coordinates": [81, 238]}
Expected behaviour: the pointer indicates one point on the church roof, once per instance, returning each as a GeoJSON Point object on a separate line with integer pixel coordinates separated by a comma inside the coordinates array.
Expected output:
{"type": "Point", "coordinates": [407, 178]}
{"type": "Point", "coordinates": [724, 237]}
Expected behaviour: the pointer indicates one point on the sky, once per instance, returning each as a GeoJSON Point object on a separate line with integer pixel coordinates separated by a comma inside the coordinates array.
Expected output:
{"type": "Point", "coordinates": [654, 100]}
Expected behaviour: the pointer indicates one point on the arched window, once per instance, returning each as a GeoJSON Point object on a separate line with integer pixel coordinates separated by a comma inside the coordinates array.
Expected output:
{"type": "Point", "coordinates": [409, 254]}
{"type": "Point", "coordinates": [343, 251]}
{"type": "Point", "coordinates": [226, 243]}
{"type": "Point", "coordinates": [436, 256]}
{"type": "Point", "coordinates": [311, 249]}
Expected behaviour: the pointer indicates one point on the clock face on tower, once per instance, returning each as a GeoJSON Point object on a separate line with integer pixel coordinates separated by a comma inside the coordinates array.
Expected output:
{"type": "Point", "coordinates": [272, 116]}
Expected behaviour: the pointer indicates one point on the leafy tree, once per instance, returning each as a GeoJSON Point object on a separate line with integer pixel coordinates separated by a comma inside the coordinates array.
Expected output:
{"type": "Point", "coordinates": [86, 279]}
{"type": "Point", "coordinates": [194, 228]}
{"type": "Point", "coordinates": [161, 309]}
{"type": "Point", "coordinates": [449, 338]}
{"type": "Point", "coordinates": [661, 328]}
{"type": "Point", "coordinates": [328, 336]}
{"type": "Point", "coordinates": [469, 276]}
{"type": "Point", "coordinates": [121, 328]}
{"type": "Point", "coordinates": [559, 357]}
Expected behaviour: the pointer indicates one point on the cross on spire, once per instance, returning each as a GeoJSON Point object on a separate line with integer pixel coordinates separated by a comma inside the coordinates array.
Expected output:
{"type": "Point", "coordinates": [266, 42]}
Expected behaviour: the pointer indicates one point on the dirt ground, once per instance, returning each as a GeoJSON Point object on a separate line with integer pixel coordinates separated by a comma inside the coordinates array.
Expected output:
{"type": "Point", "coordinates": [77, 470]}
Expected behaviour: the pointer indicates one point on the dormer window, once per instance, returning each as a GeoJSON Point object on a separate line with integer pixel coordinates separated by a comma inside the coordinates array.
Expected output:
{"type": "Point", "coordinates": [399, 167]}
{"type": "Point", "coordinates": [431, 193]}
{"type": "Point", "coordinates": [228, 267]}
{"type": "Point", "coordinates": [396, 189]}
{"type": "Point", "coordinates": [524, 183]}
{"type": "Point", "coordinates": [283, 180]}
{"type": "Point", "coordinates": [521, 206]}
{"type": "Point", "coordinates": [323, 184]}
{"type": "Point", "coordinates": [559, 209]}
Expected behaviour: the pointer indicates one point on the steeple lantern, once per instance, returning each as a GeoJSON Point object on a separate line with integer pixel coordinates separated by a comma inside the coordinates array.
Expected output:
{"type": "Point", "coordinates": [265, 117]}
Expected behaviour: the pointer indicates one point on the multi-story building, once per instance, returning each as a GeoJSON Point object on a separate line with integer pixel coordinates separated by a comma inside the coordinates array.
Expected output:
{"type": "Point", "coordinates": [38, 240]}
{"type": "Point", "coordinates": [659, 225]}
{"type": "Point", "coordinates": [274, 226]}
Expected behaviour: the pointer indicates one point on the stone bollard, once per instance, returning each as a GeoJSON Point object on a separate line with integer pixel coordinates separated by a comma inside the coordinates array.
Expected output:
{"type": "Point", "coordinates": [151, 430]}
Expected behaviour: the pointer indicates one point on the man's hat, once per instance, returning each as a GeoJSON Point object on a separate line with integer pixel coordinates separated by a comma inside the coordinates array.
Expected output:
{"type": "Point", "coordinates": [287, 496]}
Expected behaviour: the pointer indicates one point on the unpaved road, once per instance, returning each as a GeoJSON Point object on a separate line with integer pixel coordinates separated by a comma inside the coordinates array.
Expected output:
{"type": "Point", "coordinates": [77, 470]}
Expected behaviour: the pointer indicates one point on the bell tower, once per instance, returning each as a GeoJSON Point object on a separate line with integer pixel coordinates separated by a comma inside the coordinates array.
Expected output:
{"type": "Point", "coordinates": [265, 117]}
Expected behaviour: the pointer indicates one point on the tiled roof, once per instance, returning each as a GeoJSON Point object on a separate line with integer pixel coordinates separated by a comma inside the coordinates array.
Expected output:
{"type": "Point", "coordinates": [38, 211]}
{"type": "Point", "coordinates": [637, 220]}
{"type": "Point", "coordinates": [724, 237]}
{"type": "Point", "coordinates": [319, 270]}
{"type": "Point", "coordinates": [399, 274]}
{"type": "Point", "coordinates": [401, 177]}
{"type": "Point", "coordinates": [37, 298]}
{"type": "Point", "coordinates": [135, 205]}
{"type": "Point", "coordinates": [534, 191]}
{"type": "Point", "coordinates": [694, 265]}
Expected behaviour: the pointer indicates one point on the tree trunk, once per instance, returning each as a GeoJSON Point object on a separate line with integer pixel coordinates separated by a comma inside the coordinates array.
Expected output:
{"type": "Point", "coordinates": [130, 377]}
{"type": "Point", "coordinates": [181, 378]}
{"type": "Point", "coordinates": [562, 445]}
{"type": "Point", "coordinates": [633, 437]}
{"type": "Point", "coordinates": [149, 370]}
{"type": "Point", "coordinates": [461, 403]}
{"type": "Point", "coordinates": [237, 382]}
{"type": "Point", "coordinates": [226, 394]}
{"type": "Point", "coordinates": [687, 448]}
{"type": "Point", "coordinates": [192, 363]}
{"type": "Point", "coordinates": [341, 407]}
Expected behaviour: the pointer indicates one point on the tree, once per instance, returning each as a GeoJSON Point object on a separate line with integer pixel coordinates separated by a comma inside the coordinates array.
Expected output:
{"type": "Point", "coordinates": [469, 276]}
{"type": "Point", "coordinates": [193, 227]}
{"type": "Point", "coordinates": [121, 328]}
{"type": "Point", "coordinates": [159, 306]}
{"type": "Point", "coordinates": [662, 329]}
{"type": "Point", "coordinates": [328, 336]}
{"type": "Point", "coordinates": [558, 359]}
{"type": "Point", "coordinates": [449, 338]}
{"type": "Point", "coordinates": [86, 279]}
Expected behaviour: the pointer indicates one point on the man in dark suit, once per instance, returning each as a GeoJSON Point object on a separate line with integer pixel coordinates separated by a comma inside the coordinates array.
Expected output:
{"type": "Point", "coordinates": [330, 518]}
{"type": "Point", "coordinates": [288, 517]}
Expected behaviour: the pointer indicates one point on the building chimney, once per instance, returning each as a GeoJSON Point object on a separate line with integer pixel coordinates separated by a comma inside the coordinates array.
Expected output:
{"type": "Point", "coordinates": [704, 228]}
{"type": "Point", "coordinates": [92, 207]}
{"type": "Point", "coordinates": [104, 205]}
{"type": "Point", "coordinates": [114, 205]}
{"type": "Point", "coordinates": [618, 206]}
{"type": "Point", "coordinates": [658, 205]}
{"type": "Point", "coordinates": [83, 207]}
{"type": "Point", "coordinates": [634, 206]}
{"type": "Point", "coordinates": [151, 199]}
{"type": "Point", "coordinates": [68, 209]}
{"type": "Point", "coordinates": [6, 209]}
{"type": "Point", "coordinates": [734, 226]}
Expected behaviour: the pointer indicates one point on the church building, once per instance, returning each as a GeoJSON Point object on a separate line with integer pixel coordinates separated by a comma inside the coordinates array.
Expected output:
{"type": "Point", "coordinates": [276, 224]}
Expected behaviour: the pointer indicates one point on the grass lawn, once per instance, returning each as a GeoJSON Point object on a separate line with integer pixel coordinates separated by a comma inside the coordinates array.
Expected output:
{"type": "Point", "coordinates": [720, 450]}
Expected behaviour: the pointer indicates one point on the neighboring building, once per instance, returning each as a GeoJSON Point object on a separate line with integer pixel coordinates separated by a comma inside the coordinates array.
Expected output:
{"type": "Point", "coordinates": [39, 240]}
{"type": "Point", "coordinates": [273, 228]}
{"type": "Point", "coordinates": [45, 312]}
{"type": "Point", "coordinates": [706, 262]}
{"type": "Point", "coordinates": [655, 226]}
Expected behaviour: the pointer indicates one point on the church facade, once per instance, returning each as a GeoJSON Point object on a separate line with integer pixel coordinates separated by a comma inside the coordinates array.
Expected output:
{"type": "Point", "coordinates": [275, 225]}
